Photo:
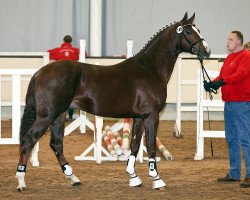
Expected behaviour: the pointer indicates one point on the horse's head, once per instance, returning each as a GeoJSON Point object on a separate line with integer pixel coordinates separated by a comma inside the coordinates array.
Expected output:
{"type": "Point", "coordinates": [190, 38]}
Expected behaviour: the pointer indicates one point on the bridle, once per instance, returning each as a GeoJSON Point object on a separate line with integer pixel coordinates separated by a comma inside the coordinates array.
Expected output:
{"type": "Point", "coordinates": [194, 50]}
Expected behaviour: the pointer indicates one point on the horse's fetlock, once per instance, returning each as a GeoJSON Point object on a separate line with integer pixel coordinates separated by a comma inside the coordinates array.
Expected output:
{"type": "Point", "coordinates": [131, 165]}
{"type": "Point", "coordinates": [21, 168]}
{"type": "Point", "coordinates": [152, 168]}
{"type": "Point", "coordinates": [67, 170]}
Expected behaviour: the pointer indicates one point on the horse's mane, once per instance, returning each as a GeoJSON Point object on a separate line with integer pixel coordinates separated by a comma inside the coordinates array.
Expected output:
{"type": "Point", "coordinates": [153, 39]}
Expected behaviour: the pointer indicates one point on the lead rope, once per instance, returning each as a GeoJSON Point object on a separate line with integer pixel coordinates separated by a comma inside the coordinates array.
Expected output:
{"type": "Point", "coordinates": [204, 78]}
{"type": "Point", "coordinates": [211, 97]}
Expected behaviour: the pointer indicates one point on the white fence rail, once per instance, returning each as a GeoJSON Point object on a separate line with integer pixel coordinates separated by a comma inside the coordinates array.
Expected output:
{"type": "Point", "coordinates": [211, 105]}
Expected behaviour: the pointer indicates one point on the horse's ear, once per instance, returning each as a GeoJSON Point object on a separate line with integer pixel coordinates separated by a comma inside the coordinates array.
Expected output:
{"type": "Point", "coordinates": [191, 19]}
{"type": "Point", "coordinates": [184, 19]}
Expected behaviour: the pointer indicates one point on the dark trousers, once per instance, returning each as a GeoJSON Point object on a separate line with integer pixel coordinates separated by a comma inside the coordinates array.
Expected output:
{"type": "Point", "coordinates": [70, 113]}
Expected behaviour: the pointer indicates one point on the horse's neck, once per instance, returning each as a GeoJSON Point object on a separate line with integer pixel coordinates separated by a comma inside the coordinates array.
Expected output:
{"type": "Point", "coordinates": [162, 57]}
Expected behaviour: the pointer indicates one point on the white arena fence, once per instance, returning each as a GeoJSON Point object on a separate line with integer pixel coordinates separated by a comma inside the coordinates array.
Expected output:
{"type": "Point", "coordinates": [16, 76]}
{"type": "Point", "coordinates": [16, 101]}
{"type": "Point", "coordinates": [181, 82]}
{"type": "Point", "coordinates": [210, 105]}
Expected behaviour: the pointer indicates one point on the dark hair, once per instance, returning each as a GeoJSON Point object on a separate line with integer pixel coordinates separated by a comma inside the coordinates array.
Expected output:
{"type": "Point", "coordinates": [67, 39]}
{"type": "Point", "coordinates": [246, 46]}
{"type": "Point", "coordinates": [239, 35]}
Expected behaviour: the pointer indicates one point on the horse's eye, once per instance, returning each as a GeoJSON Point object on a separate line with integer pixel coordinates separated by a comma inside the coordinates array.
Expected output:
{"type": "Point", "coordinates": [188, 32]}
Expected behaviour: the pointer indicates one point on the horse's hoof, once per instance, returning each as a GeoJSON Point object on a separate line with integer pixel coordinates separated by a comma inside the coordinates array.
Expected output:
{"type": "Point", "coordinates": [21, 189]}
{"type": "Point", "coordinates": [161, 188]}
{"type": "Point", "coordinates": [76, 184]}
{"type": "Point", "coordinates": [141, 185]}
{"type": "Point", "coordinates": [159, 184]}
{"type": "Point", "coordinates": [135, 182]}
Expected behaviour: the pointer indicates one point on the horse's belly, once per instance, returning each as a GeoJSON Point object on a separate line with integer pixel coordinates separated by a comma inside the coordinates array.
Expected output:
{"type": "Point", "coordinates": [105, 108]}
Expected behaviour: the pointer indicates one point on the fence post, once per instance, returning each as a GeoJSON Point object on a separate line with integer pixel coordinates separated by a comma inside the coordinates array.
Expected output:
{"type": "Point", "coordinates": [16, 105]}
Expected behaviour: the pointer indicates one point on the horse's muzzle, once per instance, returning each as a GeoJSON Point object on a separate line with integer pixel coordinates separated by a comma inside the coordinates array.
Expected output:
{"type": "Point", "coordinates": [204, 53]}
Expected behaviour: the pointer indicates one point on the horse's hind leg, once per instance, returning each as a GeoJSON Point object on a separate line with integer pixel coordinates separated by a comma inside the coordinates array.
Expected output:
{"type": "Point", "coordinates": [151, 125]}
{"type": "Point", "coordinates": [27, 142]}
{"type": "Point", "coordinates": [56, 143]}
{"type": "Point", "coordinates": [135, 145]}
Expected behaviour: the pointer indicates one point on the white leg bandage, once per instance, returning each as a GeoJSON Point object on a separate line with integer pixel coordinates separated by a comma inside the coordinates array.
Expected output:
{"type": "Point", "coordinates": [131, 165]}
{"type": "Point", "coordinates": [21, 183]}
{"type": "Point", "coordinates": [152, 168]}
{"type": "Point", "coordinates": [73, 179]}
{"type": "Point", "coordinates": [67, 170]}
{"type": "Point", "coordinates": [134, 179]}
{"type": "Point", "coordinates": [20, 175]}
{"type": "Point", "coordinates": [157, 182]}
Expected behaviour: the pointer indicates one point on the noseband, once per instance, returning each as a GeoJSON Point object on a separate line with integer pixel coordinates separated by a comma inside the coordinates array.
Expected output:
{"type": "Point", "coordinates": [193, 49]}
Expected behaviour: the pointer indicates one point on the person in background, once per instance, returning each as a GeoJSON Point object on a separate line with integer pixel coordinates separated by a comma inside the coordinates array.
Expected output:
{"type": "Point", "coordinates": [234, 80]}
{"type": "Point", "coordinates": [247, 46]}
{"type": "Point", "coordinates": [65, 52]}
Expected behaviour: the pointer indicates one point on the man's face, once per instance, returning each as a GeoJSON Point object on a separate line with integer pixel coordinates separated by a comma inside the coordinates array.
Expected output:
{"type": "Point", "coordinates": [233, 42]}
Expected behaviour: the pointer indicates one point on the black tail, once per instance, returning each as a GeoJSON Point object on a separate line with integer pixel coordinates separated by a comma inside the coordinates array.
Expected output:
{"type": "Point", "coordinates": [29, 115]}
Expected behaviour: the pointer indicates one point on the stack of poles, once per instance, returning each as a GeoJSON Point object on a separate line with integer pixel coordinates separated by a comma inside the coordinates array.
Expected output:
{"type": "Point", "coordinates": [118, 145]}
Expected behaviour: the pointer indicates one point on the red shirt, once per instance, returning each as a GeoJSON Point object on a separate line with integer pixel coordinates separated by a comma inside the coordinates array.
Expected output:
{"type": "Point", "coordinates": [236, 74]}
{"type": "Point", "coordinates": [65, 52]}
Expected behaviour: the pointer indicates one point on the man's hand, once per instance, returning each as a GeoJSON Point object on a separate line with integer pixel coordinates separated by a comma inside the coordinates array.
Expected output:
{"type": "Point", "coordinates": [207, 85]}
{"type": "Point", "coordinates": [217, 84]}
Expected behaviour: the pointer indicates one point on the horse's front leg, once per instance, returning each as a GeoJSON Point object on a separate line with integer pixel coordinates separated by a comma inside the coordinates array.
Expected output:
{"type": "Point", "coordinates": [151, 125]}
{"type": "Point", "coordinates": [137, 130]}
{"type": "Point", "coordinates": [56, 143]}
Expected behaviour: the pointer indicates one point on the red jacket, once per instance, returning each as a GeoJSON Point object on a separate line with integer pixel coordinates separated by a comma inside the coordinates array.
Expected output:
{"type": "Point", "coordinates": [65, 52]}
{"type": "Point", "coordinates": [236, 74]}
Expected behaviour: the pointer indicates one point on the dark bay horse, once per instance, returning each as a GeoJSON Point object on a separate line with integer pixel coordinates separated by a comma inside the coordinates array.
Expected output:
{"type": "Point", "coordinates": [135, 88]}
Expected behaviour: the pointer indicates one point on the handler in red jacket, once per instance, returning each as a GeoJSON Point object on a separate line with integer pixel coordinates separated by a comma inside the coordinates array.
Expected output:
{"type": "Point", "coordinates": [234, 78]}
{"type": "Point", "coordinates": [65, 52]}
